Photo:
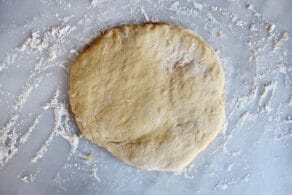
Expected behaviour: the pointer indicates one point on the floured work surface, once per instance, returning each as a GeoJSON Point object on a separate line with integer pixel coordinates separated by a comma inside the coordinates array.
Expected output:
{"type": "Point", "coordinates": [41, 151]}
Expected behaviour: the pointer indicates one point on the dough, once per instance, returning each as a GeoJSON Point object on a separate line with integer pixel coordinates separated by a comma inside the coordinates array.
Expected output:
{"type": "Point", "coordinates": [148, 93]}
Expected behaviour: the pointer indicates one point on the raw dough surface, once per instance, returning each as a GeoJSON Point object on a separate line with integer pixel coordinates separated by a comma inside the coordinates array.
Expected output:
{"type": "Point", "coordinates": [148, 93]}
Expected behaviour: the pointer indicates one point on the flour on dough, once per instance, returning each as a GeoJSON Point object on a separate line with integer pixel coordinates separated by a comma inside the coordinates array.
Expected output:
{"type": "Point", "coordinates": [148, 93]}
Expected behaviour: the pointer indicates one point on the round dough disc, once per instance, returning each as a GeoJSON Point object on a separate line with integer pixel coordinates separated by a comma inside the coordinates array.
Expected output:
{"type": "Point", "coordinates": [148, 93]}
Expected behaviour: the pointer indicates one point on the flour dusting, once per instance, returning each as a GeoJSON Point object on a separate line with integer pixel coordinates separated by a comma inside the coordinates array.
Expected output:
{"type": "Point", "coordinates": [61, 127]}
{"type": "Point", "coordinates": [257, 96]}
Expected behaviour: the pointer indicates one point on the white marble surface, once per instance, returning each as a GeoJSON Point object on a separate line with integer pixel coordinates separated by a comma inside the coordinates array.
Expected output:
{"type": "Point", "coordinates": [251, 155]}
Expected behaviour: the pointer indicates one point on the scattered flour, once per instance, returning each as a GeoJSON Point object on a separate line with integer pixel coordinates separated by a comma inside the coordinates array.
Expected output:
{"type": "Point", "coordinates": [9, 59]}
{"type": "Point", "coordinates": [145, 15]}
{"type": "Point", "coordinates": [267, 88]}
{"type": "Point", "coordinates": [9, 139]}
{"type": "Point", "coordinates": [94, 3]}
{"type": "Point", "coordinates": [61, 127]}
{"type": "Point", "coordinates": [27, 178]}
{"type": "Point", "coordinates": [50, 45]}
{"type": "Point", "coordinates": [227, 183]}
{"type": "Point", "coordinates": [186, 173]}
{"type": "Point", "coordinates": [197, 5]}
{"type": "Point", "coordinates": [33, 42]}
{"type": "Point", "coordinates": [284, 37]}
{"type": "Point", "coordinates": [288, 119]}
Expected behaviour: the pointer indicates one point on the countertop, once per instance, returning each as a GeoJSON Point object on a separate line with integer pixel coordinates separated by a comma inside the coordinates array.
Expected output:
{"type": "Point", "coordinates": [41, 150]}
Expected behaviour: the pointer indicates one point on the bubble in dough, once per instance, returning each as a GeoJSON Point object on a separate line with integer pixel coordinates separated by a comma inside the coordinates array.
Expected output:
{"type": "Point", "coordinates": [148, 93]}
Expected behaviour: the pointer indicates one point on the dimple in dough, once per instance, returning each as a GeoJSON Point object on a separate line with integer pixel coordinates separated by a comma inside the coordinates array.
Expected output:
{"type": "Point", "coordinates": [148, 93]}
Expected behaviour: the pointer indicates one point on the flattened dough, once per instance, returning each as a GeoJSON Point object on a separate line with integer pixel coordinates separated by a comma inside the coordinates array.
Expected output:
{"type": "Point", "coordinates": [148, 93]}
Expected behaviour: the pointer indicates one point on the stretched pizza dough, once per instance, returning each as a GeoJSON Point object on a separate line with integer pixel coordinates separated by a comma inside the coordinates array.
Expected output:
{"type": "Point", "coordinates": [148, 93]}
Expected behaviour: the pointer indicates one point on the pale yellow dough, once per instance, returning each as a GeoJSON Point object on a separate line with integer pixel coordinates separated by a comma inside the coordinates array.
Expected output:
{"type": "Point", "coordinates": [148, 93]}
